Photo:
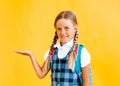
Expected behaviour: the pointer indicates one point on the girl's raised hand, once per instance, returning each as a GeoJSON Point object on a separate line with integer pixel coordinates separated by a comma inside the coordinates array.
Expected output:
{"type": "Point", "coordinates": [24, 52]}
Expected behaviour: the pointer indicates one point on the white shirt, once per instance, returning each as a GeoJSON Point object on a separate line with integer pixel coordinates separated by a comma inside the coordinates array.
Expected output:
{"type": "Point", "coordinates": [63, 51]}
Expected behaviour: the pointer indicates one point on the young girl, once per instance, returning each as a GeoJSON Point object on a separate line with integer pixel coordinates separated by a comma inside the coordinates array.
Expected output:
{"type": "Point", "coordinates": [61, 62]}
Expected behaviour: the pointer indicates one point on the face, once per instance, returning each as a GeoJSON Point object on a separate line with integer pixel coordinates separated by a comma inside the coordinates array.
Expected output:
{"type": "Point", "coordinates": [65, 30]}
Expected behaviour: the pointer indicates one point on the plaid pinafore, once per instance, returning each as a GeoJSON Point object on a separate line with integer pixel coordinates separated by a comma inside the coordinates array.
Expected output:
{"type": "Point", "coordinates": [60, 73]}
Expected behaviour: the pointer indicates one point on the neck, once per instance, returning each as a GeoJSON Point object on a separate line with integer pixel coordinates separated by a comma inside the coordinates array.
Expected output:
{"type": "Point", "coordinates": [62, 43]}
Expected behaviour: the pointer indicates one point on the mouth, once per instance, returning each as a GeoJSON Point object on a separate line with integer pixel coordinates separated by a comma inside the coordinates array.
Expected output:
{"type": "Point", "coordinates": [63, 37]}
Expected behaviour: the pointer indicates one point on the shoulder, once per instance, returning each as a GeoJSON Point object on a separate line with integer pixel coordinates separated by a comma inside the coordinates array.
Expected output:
{"type": "Point", "coordinates": [84, 51]}
{"type": "Point", "coordinates": [83, 48]}
{"type": "Point", "coordinates": [85, 56]}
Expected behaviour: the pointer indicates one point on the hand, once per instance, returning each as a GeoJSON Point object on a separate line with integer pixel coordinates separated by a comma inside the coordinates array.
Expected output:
{"type": "Point", "coordinates": [24, 52]}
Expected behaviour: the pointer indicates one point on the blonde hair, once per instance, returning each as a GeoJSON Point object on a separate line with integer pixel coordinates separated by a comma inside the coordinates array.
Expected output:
{"type": "Point", "coordinates": [72, 55]}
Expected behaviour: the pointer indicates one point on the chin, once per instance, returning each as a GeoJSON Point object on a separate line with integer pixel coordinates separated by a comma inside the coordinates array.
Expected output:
{"type": "Point", "coordinates": [63, 42]}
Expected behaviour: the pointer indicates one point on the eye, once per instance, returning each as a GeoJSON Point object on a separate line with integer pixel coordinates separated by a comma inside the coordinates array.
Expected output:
{"type": "Point", "coordinates": [58, 28]}
{"type": "Point", "coordinates": [66, 28]}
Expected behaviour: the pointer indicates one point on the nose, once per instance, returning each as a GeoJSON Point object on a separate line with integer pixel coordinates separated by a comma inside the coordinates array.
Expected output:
{"type": "Point", "coordinates": [62, 31]}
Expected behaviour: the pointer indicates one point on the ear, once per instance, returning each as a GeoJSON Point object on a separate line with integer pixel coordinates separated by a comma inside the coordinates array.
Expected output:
{"type": "Point", "coordinates": [76, 27]}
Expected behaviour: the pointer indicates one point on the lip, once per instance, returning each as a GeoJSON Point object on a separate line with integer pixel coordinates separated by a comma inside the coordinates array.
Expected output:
{"type": "Point", "coordinates": [63, 37]}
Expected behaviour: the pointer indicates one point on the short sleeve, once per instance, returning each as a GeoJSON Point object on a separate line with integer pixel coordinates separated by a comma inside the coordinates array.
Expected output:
{"type": "Point", "coordinates": [46, 55]}
{"type": "Point", "coordinates": [85, 57]}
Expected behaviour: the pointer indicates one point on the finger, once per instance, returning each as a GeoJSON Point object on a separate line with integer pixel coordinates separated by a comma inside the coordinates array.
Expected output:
{"type": "Point", "coordinates": [18, 51]}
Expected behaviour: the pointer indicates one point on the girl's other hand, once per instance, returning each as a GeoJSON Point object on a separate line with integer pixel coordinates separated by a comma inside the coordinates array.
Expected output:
{"type": "Point", "coordinates": [24, 52]}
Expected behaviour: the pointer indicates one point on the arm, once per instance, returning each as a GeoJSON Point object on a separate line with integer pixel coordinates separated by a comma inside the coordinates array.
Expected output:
{"type": "Point", "coordinates": [85, 64]}
{"type": "Point", "coordinates": [86, 75]}
{"type": "Point", "coordinates": [40, 71]}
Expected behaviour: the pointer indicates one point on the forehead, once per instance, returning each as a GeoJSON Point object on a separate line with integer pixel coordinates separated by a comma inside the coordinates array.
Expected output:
{"type": "Point", "coordinates": [64, 22]}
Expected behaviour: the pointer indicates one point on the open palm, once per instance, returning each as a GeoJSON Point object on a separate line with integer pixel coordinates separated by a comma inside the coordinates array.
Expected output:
{"type": "Point", "coordinates": [24, 52]}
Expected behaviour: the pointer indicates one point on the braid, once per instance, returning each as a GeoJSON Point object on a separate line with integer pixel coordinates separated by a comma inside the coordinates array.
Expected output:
{"type": "Point", "coordinates": [51, 48]}
{"type": "Point", "coordinates": [72, 55]}
{"type": "Point", "coordinates": [53, 43]}
{"type": "Point", "coordinates": [75, 41]}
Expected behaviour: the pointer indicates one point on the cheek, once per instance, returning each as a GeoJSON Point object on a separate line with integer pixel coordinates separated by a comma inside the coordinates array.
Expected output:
{"type": "Point", "coordinates": [58, 33]}
{"type": "Point", "coordinates": [72, 32]}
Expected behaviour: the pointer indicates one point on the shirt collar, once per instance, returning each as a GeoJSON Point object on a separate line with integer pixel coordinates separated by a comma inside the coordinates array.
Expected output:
{"type": "Point", "coordinates": [68, 44]}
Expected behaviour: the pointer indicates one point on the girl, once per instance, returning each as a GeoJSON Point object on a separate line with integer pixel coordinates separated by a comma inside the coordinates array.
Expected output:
{"type": "Point", "coordinates": [61, 57]}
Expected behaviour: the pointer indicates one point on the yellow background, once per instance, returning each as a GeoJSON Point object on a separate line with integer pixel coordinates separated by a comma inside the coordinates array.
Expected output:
{"type": "Point", "coordinates": [28, 24]}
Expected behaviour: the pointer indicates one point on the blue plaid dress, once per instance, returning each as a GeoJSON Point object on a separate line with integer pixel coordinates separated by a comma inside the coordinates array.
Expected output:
{"type": "Point", "coordinates": [60, 73]}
